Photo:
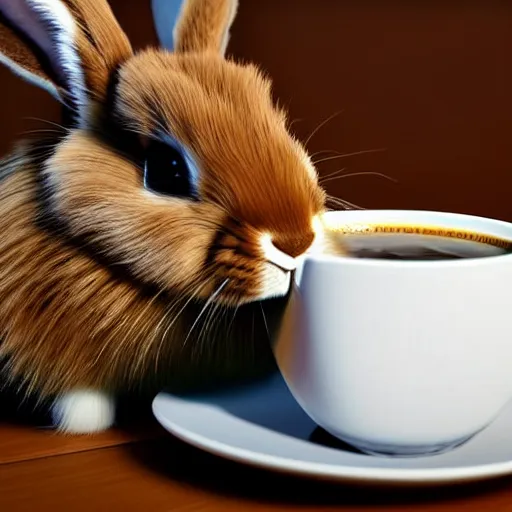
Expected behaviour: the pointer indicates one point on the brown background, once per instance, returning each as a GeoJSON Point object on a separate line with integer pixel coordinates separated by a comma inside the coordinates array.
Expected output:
{"type": "Point", "coordinates": [429, 84]}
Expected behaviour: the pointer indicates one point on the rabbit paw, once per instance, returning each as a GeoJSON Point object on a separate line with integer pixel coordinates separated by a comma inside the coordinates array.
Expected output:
{"type": "Point", "coordinates": [83, 412]}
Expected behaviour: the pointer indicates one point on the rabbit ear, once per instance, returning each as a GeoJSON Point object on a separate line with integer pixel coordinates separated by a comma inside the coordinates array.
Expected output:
{"type": "Point", "coordinates": [69, 47]}
{"type": "Point", "coordinates": [194, 25]}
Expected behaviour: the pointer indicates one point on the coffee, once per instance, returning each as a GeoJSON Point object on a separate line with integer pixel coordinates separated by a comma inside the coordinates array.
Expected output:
{"type": "Point", "coordinates": [400, 254]}
{"type": "Point", "coordinates": [420, 243]}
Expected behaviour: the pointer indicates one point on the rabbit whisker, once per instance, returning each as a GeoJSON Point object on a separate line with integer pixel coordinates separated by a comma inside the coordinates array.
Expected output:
{"type": "Point", "coordinates": [170, 310]}
{"type": "Point", "coordinates": [41, 130]}
{"type": "Point", "coordinates": [253, 335]}
{"type": "Point", "coordinates": [230, 326]}
{"type": "Point", "coordinates": [211, 322]}
{"type": "Point", "coordinates": [210, 300]}
{"type": "Point", "coordinates": [323, 123]}
{"type": "Point", "coordinates": [338, 171]}
{"type": "Point", "coordinates": [353, 174]}
{"type": "Point", "coordinates": [316, 153]}
{"type": "Point", "coordinates": [346, 155]}
{"type": "Point", "coordinates": [291, 123]}
{"type": "Point", "coordinates": [347, 205]}
{"type": "Point", "coordinates": [265, 321]}
{"type": "Point", "coordinates": [144, 347]}
{"type": "Point", "coordinates": [46, 121]}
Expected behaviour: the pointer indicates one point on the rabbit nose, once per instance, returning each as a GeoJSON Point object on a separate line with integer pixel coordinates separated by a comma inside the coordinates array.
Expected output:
{"type": "Point", "coordinates": [275, 256]}
{"type": "Point", "coordinates": [285, 251]}
{"type": "Point", "coordinates": [294, 245]}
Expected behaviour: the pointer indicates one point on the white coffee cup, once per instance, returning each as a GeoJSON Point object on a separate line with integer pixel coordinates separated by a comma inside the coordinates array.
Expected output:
{"type": "Point", "coordinates": [401, 357]}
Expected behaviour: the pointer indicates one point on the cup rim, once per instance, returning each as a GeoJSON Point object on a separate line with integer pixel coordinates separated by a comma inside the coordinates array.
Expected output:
{"type": "Point", "coordinates": [496, 228]}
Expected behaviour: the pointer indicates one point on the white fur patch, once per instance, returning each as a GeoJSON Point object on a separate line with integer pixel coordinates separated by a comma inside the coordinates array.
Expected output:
{"type": "Point", "coordinates": [277, 274]}
{"type": "Point", "coordinates": [83, 412]}
{"type": "Point", "coordinates": [62, 42]}
{"type": "Point", "coordinates": [276, 256]}
{"type": "Point", "coordinates": [275, 283]}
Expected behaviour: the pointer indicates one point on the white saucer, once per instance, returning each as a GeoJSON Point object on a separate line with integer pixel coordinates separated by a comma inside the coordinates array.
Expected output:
{"type": "Point", "coordinates": [262, 425]}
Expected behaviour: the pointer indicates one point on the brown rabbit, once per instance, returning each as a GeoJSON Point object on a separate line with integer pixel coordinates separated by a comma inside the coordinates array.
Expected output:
{"type": "Point", "coordinates": [175, 198]}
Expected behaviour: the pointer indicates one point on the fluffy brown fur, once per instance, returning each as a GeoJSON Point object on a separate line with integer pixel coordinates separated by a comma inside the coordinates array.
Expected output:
{"type": "Point", "coordinates": [71, 322]}
{"type": "Point", "coordinates": [101, 43]}
{"type": "Point", "coordinates": [101, 282]}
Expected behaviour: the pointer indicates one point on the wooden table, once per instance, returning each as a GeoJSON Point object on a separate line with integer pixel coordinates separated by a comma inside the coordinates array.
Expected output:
{"type": "Point", "coordinates": [139, 467]}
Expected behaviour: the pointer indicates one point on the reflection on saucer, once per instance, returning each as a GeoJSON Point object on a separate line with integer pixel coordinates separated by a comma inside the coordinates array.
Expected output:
{"type": "Point", "coordinates": [322, 437]}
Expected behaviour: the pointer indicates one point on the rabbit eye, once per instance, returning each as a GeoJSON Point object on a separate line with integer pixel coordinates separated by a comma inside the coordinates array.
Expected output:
{"type": "Point", "coordinates": [166, 171]}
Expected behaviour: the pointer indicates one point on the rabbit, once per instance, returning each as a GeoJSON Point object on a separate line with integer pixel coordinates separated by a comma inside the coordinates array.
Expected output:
{"type": "Point", "coordinates": [174, 198]}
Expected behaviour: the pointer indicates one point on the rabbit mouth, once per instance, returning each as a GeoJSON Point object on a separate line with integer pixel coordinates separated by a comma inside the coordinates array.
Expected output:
{"type": "Point", "coordinates": [251, 279]}
{"type": "Point", "coordinates": [272, 282]}
{"type": "Point", "coordinates": [275, 281]}
{"type": "Point", "coordinates": [248, 268]}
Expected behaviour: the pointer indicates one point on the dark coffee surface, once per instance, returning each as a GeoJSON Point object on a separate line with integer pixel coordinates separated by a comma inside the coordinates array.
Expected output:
{"type": "Point", "coordinates": [416, 255]}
